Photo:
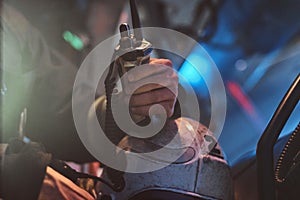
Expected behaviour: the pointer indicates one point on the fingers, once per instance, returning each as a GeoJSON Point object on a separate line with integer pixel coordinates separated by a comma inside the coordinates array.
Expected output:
{"type": "Point", "coordinates": [144, 110]}
{"type": "Point", "coordinates": [155, 66]}
{"type": "Point", "coordinates": [147, 88]}
{"type": "Point", "coordinates": [150, 84]}
{"type": "Point", "coordinates": [168, 79]}
{"type": "Point", "coordinates": [153, 97]}
{"type": "Point", "coordinates": [161, 61]}
{"type": "Point", "coordinates": [146, 71]}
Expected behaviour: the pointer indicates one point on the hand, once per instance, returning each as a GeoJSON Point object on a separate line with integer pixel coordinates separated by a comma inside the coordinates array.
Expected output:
{"type": "Point", "coordinates": [157, 71]}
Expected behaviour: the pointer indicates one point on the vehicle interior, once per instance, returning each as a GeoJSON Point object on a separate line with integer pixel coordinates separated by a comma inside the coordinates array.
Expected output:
{"type": "Point", "coordinates": [255, 47]}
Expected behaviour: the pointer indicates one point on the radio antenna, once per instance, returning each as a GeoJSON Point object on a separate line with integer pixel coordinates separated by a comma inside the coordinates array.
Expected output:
{"type": "Point", "coordinates": [136, 23]}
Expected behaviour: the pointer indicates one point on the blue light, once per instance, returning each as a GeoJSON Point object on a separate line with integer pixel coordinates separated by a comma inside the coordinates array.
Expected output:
{"type": "Point", "coordinates": [196, 67]}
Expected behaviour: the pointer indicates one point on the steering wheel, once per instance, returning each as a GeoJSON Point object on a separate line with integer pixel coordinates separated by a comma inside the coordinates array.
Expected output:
{"type": "Point", "coordinates": [289, 159]}
{"type": "Point", "coordinates": [283, 183]}
{"type": "Point", "coordinates": [287, 171]}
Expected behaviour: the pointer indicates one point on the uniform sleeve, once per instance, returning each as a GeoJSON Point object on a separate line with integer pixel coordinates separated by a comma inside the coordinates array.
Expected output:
{"type": "Point", "coordinates": [41, 80]}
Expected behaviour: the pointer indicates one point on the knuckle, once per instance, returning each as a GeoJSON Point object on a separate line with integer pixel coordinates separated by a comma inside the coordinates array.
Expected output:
{"type": "Point", "coordinates": [169, 110]}
{"type": "Point", "coordinates": [167, 62]}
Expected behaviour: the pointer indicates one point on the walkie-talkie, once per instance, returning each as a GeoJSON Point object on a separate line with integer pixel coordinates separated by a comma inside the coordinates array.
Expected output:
{"type": "Point", "coordinates": [131, 51]}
